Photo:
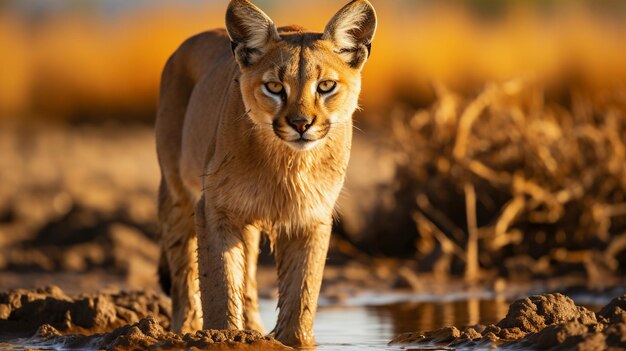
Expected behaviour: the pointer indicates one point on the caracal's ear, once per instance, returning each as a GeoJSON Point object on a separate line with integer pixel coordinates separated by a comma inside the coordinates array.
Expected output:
{"type": "Point", "coordinates": [352, 30]}
{"type": "Point", "coordinates": [250, 30]}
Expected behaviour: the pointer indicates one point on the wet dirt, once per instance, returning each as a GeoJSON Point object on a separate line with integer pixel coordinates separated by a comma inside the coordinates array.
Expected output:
{"type": "Point", "coordinates": [545, 322]}
{"type": "Point", "coordinates": [52, 319]}
{"type": "Point", "coordinates": [149, 334]}
{"type": "Point", "coordinates": [23, 312]}
{"type": "Point", "coordinates": [47, 318]}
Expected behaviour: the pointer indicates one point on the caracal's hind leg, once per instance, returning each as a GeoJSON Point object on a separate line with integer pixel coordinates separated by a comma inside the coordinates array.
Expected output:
{"type": "Point", "coordinates": [300, 258]}
{"type": "Point", "coordinates": [179, 245]}
{"type": "Point", "coordinates": [252, 316]}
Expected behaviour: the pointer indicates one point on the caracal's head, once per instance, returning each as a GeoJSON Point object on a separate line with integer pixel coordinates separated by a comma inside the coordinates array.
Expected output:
{"type": "Point", "coordinates": [299, 86]}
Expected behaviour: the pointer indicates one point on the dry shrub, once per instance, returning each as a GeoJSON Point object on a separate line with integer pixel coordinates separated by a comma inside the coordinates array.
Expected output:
{"type": "Point", "coordinates": [540, 186]}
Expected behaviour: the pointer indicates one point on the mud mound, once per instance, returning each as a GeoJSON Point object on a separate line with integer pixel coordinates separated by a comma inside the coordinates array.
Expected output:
{"type": "Point", "coordinates": [85, 239]}
{"type": "Point", "coordinates": [121, 321]}
{"type": "Point", "coordinates": [535, 313]}
{"type": "Point", "coordinates": [549, 321]}
{"type": "Point", "coordinates": [22, 312]}
{"type": "Point", "coordinates": [149, 334]}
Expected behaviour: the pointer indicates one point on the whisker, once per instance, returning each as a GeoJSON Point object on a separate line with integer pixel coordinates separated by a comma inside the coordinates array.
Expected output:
{"type": "Point", "coordinates": [353, 126]}
{"type": "Point", "coordinates": [259, 126]}
{"type": "Point", "coordinates": [254, 125]}
{"type": "Point", "coordinates": [245, 114]}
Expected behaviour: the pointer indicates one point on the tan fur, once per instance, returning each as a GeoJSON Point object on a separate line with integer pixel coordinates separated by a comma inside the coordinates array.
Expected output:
{"type": "Point", "coordinates": [232, 168]}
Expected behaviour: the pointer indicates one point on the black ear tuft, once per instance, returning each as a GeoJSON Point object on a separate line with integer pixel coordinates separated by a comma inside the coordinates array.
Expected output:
{"type": "Point", "coordinates": [351, 30]}
{"type": "Point", "coordinates": [250, 30]}
{"type": "Point", "coordinates": [233, 46]}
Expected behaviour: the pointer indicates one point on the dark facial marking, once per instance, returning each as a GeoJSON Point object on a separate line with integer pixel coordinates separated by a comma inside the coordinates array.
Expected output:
{"type": "Point", "coordinates": [245, 54]}
{"type": "Point", "coordinates": [233, 46]}
{"type": "Point", "coordinates": [301, 63]}
{"type": "Point", "coordinates": [358, 55]}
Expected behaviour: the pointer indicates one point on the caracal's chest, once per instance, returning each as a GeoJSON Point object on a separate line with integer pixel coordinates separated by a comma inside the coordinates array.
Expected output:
{"type": "Point", "coordinates": [278, 192]}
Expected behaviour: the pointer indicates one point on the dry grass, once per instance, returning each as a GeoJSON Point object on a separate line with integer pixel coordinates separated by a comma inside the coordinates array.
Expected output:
{"type": "Point", "coordinates": [520, 184]}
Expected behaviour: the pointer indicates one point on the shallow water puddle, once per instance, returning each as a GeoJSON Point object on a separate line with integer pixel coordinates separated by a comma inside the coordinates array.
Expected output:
{"type": "Point", "coordinates": [371, 324]}
{"type": "Point", "coordinates": [370, 321]}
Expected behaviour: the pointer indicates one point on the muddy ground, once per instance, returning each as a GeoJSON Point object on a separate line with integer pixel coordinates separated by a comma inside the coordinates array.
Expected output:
{"type": "Point", "coordinates": [124, 320]}
{"type": "Point", "coordinates": [544, 322]}
{"type": "Point", "coordinates": [48, 318]}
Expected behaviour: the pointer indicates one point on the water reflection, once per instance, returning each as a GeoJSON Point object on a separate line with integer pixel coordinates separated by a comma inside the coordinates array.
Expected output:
{"type": "Point", "coordinates": [422, 316]}
{"type": "Point", "coordinates": [359, 327]}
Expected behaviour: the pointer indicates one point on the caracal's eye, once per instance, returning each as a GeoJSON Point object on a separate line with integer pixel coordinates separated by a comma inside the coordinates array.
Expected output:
{"type": "Point", "coordinates": [274, 87]}
{"type": "Point", "coordinates": [326, 86]}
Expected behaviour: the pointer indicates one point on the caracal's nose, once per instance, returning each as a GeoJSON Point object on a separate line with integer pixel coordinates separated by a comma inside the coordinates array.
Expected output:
{"type": "Point", "coordinates": [300, 123]}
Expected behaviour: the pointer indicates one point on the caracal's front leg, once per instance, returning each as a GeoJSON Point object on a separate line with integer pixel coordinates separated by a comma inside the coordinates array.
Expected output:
{"type": "Point", "coordinates": [300, 257]}
{"type": "Point", "coordinates": [221, 262]}
{"type": "Point", "coordinates": [252, 316]}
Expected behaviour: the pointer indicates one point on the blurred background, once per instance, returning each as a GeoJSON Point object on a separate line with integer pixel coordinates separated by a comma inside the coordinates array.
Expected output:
{"type": "Point", "coordinates": [491, 144]}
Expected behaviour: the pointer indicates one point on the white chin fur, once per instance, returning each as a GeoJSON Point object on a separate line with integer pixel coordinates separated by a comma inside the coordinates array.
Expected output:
{"type": "Point", "coordinates": [300, 146]}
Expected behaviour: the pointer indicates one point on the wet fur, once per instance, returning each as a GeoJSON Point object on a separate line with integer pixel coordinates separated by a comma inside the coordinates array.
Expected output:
{"type": "Point", "coordinates": [230, 172]}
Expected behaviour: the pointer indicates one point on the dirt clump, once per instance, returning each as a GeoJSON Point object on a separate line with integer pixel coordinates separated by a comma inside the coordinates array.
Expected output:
{"type": "Point", "coordinates": [535, 313]}
{"type": "Point", "coordinates": [545, 322]}
{"type": "Point", "coordinates": [135, 320]}
{"type": "Point", "coordinates": [22, 311]}
{"type": "Point", "coordinates": [615, 311]}
{"type": "Point", "coordinates": [149, 334]}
